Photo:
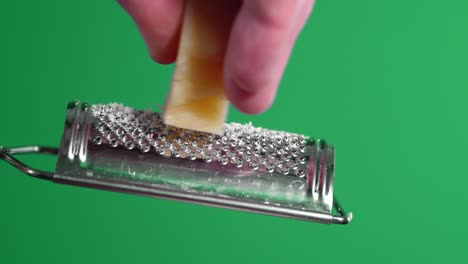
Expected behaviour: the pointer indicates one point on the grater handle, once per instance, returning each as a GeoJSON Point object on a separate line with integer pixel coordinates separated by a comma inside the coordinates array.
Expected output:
{"type": "Point", "coordinates": [7, 155]}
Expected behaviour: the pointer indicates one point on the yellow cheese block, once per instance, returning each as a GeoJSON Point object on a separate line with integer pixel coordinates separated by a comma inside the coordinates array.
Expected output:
{"type": "Point", "coordinates": [196, 99]}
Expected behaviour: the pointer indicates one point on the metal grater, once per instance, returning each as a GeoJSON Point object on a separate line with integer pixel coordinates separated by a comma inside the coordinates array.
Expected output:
{"type": "Point", "coordinates": [113, 147]}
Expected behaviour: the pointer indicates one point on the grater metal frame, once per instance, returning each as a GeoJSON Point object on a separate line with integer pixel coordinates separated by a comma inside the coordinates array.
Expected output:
{"type": "Point", "coordinates": [76, 153]}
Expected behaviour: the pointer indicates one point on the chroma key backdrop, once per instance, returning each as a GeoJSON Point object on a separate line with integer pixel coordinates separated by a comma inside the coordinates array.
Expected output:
{"type": "Point", "coordinates": [384, 81]}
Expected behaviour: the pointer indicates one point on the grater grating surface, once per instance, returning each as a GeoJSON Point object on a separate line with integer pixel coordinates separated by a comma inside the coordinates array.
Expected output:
{"type": "Point", "coordinates": [241, 146]}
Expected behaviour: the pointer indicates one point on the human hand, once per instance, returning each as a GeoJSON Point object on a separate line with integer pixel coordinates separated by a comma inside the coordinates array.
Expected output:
{"type": "Point", "coordinates": [261, 39]}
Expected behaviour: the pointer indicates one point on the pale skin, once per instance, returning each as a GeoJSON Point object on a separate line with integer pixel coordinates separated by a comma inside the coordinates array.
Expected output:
{"type": "Point", "coordinates": [260, 43]}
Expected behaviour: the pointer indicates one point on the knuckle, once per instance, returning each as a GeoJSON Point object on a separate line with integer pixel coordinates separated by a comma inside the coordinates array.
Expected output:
{"type": "Point", "coordinates": [244, 78]}
{"type": "Point", "coordinates": [277, 15]}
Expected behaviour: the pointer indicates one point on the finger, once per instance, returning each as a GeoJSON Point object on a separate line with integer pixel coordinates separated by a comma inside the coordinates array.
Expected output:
{"type": "Point", "coordinates": [159, 23]}
{"type": "Point", "coordinates": [259, 47]}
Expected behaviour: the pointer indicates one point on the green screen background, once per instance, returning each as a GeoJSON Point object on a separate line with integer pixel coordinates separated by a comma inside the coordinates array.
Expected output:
{"type": "Point", "coordinates": [385, 81]}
